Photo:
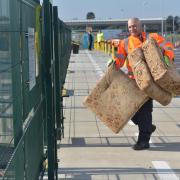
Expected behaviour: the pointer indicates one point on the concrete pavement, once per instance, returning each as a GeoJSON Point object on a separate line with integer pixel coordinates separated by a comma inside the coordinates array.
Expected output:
{"type": "Point", "coordinates": [91, 151]}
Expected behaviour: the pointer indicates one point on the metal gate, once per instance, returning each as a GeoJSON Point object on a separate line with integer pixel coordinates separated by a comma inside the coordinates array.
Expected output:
{"type": "Point", "coordinates": [34, 56]}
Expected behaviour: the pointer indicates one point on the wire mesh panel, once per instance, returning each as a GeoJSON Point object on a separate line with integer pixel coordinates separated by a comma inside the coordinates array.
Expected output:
{"type": "Point", "coordinates": [6, 107]}
{"type": "Point", "coordinates": [32, 75]}
{"type": "Point", "coordinates": [21, 114]}
{"type": "Point", "coordinates": [34, 145]}
{"type": "Point", "coordinates": [13, 172]}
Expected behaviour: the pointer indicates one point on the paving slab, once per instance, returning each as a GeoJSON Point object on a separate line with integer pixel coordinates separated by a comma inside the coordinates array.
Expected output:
{"type": "Point", "coordinates": [91, 151]}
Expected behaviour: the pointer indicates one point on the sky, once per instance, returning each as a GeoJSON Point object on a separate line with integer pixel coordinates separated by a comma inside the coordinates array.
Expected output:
{"type": "Point", "coordinates": [117, 9]}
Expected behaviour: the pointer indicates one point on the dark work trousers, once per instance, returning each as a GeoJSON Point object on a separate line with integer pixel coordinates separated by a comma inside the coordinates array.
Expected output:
{"type": "Point", "coordinates": [90, 45]}
{"type": "Point", "coordinates": [90, 42]}
{"type": "Point", "coordinates": [143, 118]}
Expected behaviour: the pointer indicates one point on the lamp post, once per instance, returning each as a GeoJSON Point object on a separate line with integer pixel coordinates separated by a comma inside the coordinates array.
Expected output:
{"type": "Point", "coordinates": [122, 13]}
{"type": "Point", "coordinates": [143, 7]}
{"type": "Point", "coordinates": [162, 27]}
{"type": "Point", "coordinates": [165, 26]}
{"type": "Point", "coordinates": [162, 19]}
{"type": "Point", "coordinates": [173, 24]}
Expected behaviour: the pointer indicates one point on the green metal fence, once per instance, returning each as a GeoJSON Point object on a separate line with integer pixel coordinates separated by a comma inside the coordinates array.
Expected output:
{"type": "Point", "coordinates": [62, 44]}
{"type": "Point", "coordinates": [24, 106]}
{"type": "Point", "coordinates": [34, 55]}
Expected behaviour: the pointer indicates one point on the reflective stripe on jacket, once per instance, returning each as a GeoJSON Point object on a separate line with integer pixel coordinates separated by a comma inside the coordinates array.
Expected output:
{"type": "Point", "coordinates": [129, 44]}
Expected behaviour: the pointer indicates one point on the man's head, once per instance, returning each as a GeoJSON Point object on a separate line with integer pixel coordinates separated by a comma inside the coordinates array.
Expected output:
{"type": "Point", "coordinates": [134, 26]}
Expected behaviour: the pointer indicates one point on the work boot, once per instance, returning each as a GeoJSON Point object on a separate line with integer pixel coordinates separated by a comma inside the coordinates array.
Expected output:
{"type": "Point", "coordinates": [153, 128]}
{"type": "Point", "coordinates": [141, 146]}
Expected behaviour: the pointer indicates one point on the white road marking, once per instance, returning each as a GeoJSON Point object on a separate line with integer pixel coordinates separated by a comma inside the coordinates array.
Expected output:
{"type": "Point", "coordinates": [99, 71]}
{"type": "Point", "coordinates": [164, 171]}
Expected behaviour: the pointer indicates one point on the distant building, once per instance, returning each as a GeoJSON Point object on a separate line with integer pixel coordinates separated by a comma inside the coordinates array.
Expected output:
{"type": "Point", "coordinates": [149, 24]}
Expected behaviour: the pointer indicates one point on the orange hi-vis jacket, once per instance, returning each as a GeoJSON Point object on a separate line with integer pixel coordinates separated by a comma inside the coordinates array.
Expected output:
{"type": "Point", "coordinates": [129, 44]}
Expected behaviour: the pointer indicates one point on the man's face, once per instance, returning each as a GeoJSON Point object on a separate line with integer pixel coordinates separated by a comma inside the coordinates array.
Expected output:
{"type": "Point", "coordinates": [134, 27]}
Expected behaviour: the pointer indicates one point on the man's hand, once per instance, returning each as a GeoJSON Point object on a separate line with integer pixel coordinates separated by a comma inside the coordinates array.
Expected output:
{"type": "Point", "coordinates": [110, 61]}
{"type": "Point", "coordinates": [116, 64]}
{"type": "Point", "coordinates": [166, 60]}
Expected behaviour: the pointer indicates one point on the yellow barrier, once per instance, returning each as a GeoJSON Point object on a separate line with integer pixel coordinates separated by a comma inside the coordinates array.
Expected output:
{"type": "Point", "coordinates": [109, 47]}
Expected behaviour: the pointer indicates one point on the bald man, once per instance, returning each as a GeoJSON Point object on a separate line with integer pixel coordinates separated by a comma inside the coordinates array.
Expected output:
{"type": "Point", "coordinates": [143, 117]}
{"type": "Point", "coordinates": [134, 27]}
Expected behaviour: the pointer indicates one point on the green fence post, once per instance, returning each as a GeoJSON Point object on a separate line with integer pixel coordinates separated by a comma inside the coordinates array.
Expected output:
{"type": "Point", "coordinates": [48, 88]}
{"type": "Point", "coordinates": [57, 75]}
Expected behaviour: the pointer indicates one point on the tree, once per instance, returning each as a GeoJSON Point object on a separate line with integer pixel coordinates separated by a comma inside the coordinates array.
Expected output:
{"type": "Point", "coordinates": [169, 23]}
{"type": "Point", "coordinates": [177, 21]}
{"type": "Point", "coordinates": [90, 15]}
